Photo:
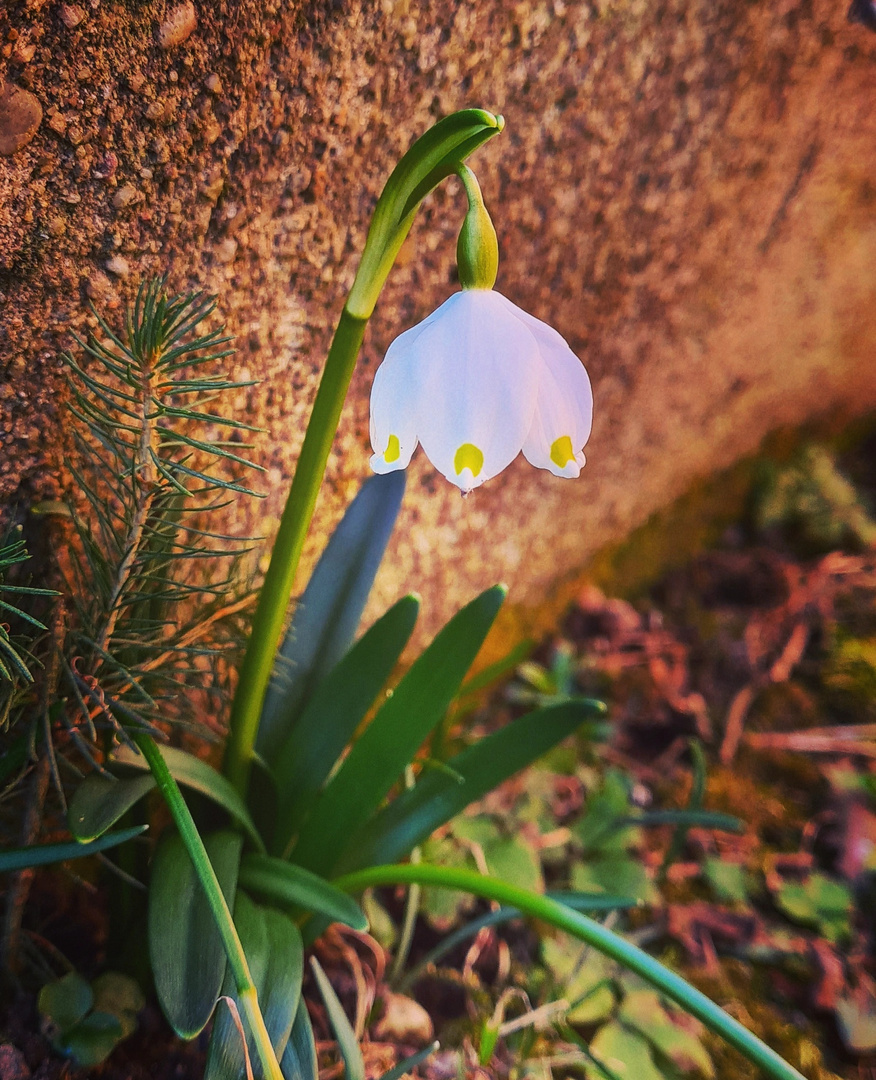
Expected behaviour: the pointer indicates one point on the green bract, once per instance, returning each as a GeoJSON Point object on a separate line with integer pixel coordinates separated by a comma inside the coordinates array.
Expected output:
{"type": "Point", "coordinates": [434, 156]}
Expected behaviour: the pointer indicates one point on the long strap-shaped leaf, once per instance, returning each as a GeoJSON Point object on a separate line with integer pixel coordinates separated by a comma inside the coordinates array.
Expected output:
{"type": "Point", "coordinates": [273, 948]}
{"type": "Point", "coordinates": [42, 854]}
{"type": "Point", "coordinates": [333, 714]}
{"type": "Point", "coordinates": [441, 794]}
{"type": "Point", "coordinates": [329, 611]}
{"type": "Point", "coordinates": [389, 743]}
{"type": "Point", "coordinates": [188, 958]}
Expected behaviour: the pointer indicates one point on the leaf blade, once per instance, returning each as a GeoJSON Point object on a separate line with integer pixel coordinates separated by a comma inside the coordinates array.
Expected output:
{"type": "Point", "coordinates": [194, 773]}
{"type": "Point", "coordinates": [390, 741]}
{"type": "Point", "coordinates": [299, 1060]}
{"type": "Point", "coordinates": [329, 611]}
{"type": "Point", "coordinates": [348, 1044]}
{"type": "Point", "coordinates": [333, 714]}
{"type": "Point", "coordinates": [45, 854]}
{"type": "Point", "coordinates": [275, 955]}
{"type": "Point", "coordinates": [99, 802]}
{"type": "Point", "coordinates": [185, 949]}
{"type": "Point", "coordinates": [437, 797]}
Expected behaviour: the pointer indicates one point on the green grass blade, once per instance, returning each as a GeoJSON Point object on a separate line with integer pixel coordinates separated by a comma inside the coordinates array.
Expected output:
{"type": "Point", "coordinates": [299, 1060]}
{"type": "Point", "coordinates": [694, 805]}
{"type": "Point", "coordinates": [333, 715]}
{"type": "Point", "coordinates": [21, 858]}
{"type": "Point", "coordinates": [292, 887]}
{"type": "Point", "coordinates": [187, 954]}
{"type": "Point", "coordinates": [273, 948]}
{"type": "Point", "coordinates": [593, 933]}
{"type": "Point", "coordinates": [404, 1067]}
{"type": "Point", "coordinates": [440, 795]}
{"type": "Point", "coordinates": [347, 1042]}
{"type": "Point", "coordinates": [389, 743]}
{"type": "Point", "coordinates": [329, 611]}
{"type": "Point", "coordinates": [194, 773]}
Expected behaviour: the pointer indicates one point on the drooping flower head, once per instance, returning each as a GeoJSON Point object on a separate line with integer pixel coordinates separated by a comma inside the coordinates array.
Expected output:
{"type": "Point", "coordinates": [480, 380]}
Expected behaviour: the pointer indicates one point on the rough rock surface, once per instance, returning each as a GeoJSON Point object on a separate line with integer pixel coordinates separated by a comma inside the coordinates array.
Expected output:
{"type": "Point", "coordinates": [684, 189]}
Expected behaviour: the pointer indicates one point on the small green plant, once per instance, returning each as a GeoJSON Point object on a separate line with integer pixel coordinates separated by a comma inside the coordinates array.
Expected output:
{"type": "Point", "coordinates": [539, 685]}
{"type": "Point", "coordinates": [86, 1021]}
{"type": "Point", "coordinates": [812, 504]}
{"type": "Point", "coordinates": [820, 902]}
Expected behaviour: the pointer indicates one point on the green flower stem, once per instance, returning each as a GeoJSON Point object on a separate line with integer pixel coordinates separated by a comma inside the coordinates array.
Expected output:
{"type": "Point", "coordinates": [243, 981]}
{"type": "Point", "coordinates": [433, 156]}
{"type": "Point", "coordinates": [270, 614]}
{"type": "Point", "coordinates": [564, 918]}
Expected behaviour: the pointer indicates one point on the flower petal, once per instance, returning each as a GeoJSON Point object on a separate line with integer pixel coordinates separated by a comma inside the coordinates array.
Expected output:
{"type": "Point", "coordinates": [393, 397]}
{"type": "Point", "coordinates": [478, 373]}
{"type": "Point", "coordinates": [564, 408]}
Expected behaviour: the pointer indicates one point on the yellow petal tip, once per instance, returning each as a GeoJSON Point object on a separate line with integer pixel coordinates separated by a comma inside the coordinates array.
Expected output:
{"type": "Point", "coordinates": [562, 452]}
{"type": "Point", "coordinates": [468, 456]}
{"type": "Point", "coordinates": [393, 450]}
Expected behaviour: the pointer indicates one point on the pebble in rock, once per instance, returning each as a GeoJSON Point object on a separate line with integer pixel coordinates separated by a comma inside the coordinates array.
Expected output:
{"type": "Point", "coordinates": [180, 22]}
{"type": "Point", "coordinates": [119, 266]}
{"type": "Point", "coordinates": [71, 15]}
{"type": "Point", "coordinates": [126, 194]}
{"type": "Point", "coordinates": [226, 250]}
{"type": "Point", "coordinates": [20, 116]}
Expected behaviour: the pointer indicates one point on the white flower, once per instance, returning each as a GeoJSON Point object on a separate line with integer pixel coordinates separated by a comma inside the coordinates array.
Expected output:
{"type": "Point", "coordinates": [476, 382]}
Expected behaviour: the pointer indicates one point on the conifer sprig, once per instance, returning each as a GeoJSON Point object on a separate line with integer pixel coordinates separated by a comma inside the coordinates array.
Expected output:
{"type": "Point", "coordinates": [13, 664]}
{"type": "Point", "coordinates": [153, 462]}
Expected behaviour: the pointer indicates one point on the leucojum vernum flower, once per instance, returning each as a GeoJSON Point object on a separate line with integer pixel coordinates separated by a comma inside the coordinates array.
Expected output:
{"type": "Point", "coordinates": [480, 380]}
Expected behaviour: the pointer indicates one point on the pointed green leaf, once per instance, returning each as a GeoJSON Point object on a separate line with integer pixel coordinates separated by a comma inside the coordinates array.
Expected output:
{"type": "Point", "coordinates": [348, 1044]}
{"type": "Point", "coordinates": [275, 955]}
{"type": "Point", "coordinates": [299, 1060]}
{"type": "Point", "coordinates": [328, 613]}
{"type": "Point", "coordinates": [688, 819]}
{"type": "Point", "coordinates": [389, 743]}
{"type": "Point", "coordinates": [100, 801]}
{"type": "Point", "coordinates": [188, 959]}
{"type": "Point", "coordinates": [293, 887]}
{"type": "Point", "coordinates": [43, 854]}
{"type": "Point", "coordinates": [334, 713]}
{"type": "Point", "coordinates": [437, 797]}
